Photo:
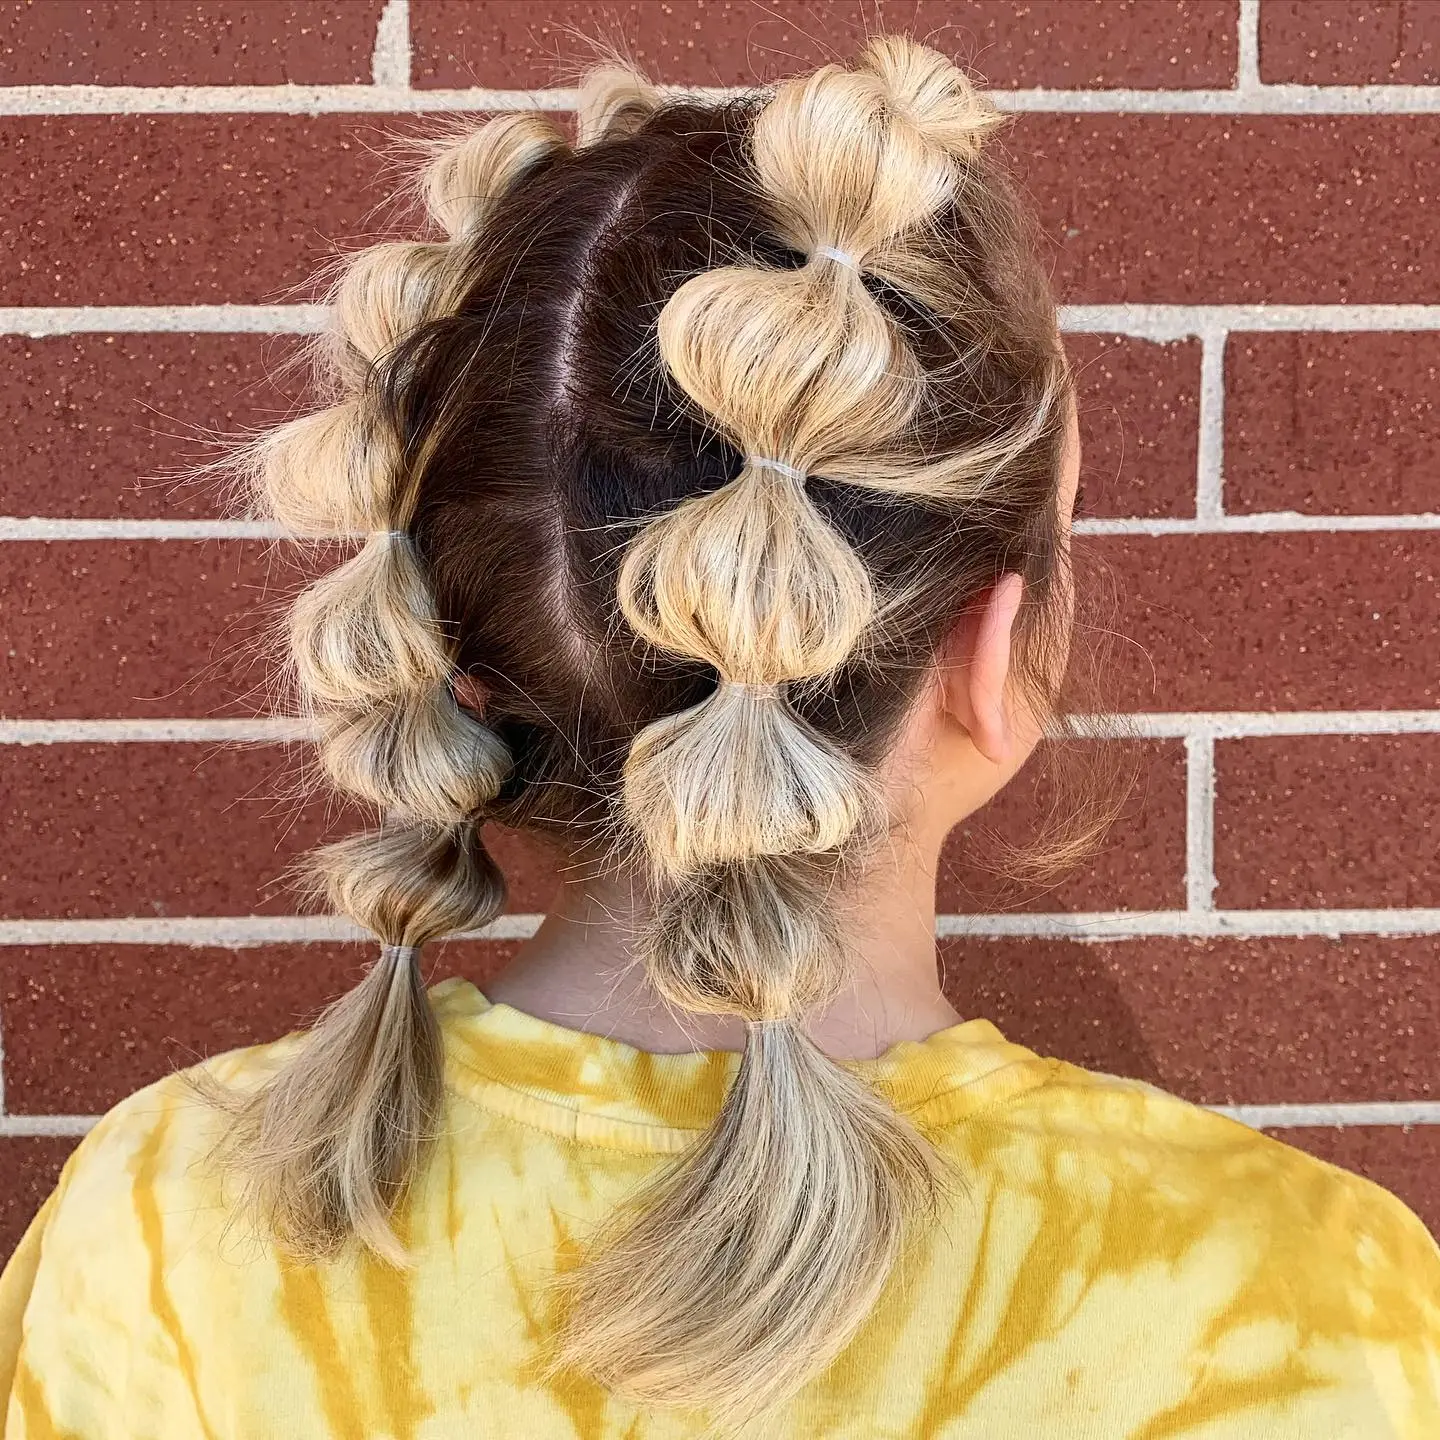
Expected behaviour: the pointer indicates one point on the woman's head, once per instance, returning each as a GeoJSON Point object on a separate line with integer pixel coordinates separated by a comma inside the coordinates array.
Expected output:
{"type": "Point", "coordinates": [693, 464]}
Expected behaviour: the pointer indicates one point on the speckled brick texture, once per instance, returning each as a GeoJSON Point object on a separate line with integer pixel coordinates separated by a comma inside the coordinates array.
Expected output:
{"type": "Point", "coordinates": [1404, 1160]}
{"type": "Point", "coordinates": [1077, 44]}
{"type": "Point", "coordinates": [1152, 208]}
{"type": "Point", "coordinates": [1139, 405]}
{"type": "Point", "coordinates": [1219, 1021]}
{"type": "Point", "coordinates": [1317, 621]}
{"type": "Point", "coordinates": [1265, 503]}
{"type": "Point", "coordinates": [1332, 424]}
{"type": "Point", "coordinates": [1140, 866]}
{"type": "Point", "coordinates": [1207, 209]}
{"type": "Point", "coordinates": [183, 209]}
{"type": "Point", "coordinates": [125, 425]}
{"type": "Point", "coordinates": [170, 42]}
{"type": "Point", "coordinates": [99, 628]}
{"type": "Point", "coordinates": [1350, 42]}
{"type": "Point", "coordinates": [1332, 821]}
{"type": "Point", "coordinates": [30, 1166]}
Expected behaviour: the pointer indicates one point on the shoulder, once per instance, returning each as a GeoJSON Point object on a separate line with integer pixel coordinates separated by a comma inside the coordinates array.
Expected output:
{"type": "Point", "coordinates": [1200, 1247]}
{"type": "Point", "coordinates": [139, 1189]}
{"type": "Point", "coordinates": [158, 1142]}
{"type": "Point", "coordinates": [1149, 1132]}
{"type": "Point", "coordinates": [138, 1230]}
{"type": "Point", "coordinates": [1155, 1160]}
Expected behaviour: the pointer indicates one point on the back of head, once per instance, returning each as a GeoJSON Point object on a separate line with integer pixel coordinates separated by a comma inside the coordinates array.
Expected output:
{"type": "Point", "coordinates": [687, 445]}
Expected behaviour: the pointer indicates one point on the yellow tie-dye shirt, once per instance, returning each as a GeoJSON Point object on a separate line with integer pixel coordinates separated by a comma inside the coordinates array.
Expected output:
{"type": "Point", "coordinates": [1124, 1266]}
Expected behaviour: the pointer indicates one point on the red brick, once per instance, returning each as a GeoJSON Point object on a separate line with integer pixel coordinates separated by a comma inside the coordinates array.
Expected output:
{"type": "Point", "coordinates": [1219, 1022]}
{"type": "Point", "coordinates": [1210, 209]}
{"type": "Point", "coordinates": [1328, 820]}
{"type": "Point", "coordinates": [1332, 424]}
{"type": "Point", "coordinates": [1139, 417]}
{"type": "Point", "coordinates": [153, 829]}
{"type": "Point", "coordinates": [182, 209]}
{"type": "Point", "coordinates": [1185, 208]}
{"type": "Point", "coordinates": [1270, 621]}
{"type": "Point", "coordinates": [109, 425]}
{"type": "Point", "coordinates": [1404, 1161]}
{"type": "Point", "coordinates": [1140, 865]}
{"type": "Point", "coordinates": [156, 829]}
{"type": "Point", "coordinates": [87, 1025]}
{"type": "Point", "coordinates": [140, 628]}
{"type": "Point", "coordinates": [1350, 42]}
{"type": "Point", "coordinates": [508, 43]}
{"type": "Point", "coordinates": [31, 1166]}
{"type": "Point", "coordinates": [1273, 621]}
{"type": "Point", "coordinates": [205, 42]}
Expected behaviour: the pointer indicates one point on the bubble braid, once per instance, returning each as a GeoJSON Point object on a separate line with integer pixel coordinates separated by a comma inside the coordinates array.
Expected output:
{"type": "Point", "coordinates": [794, 1206]}
{"type": "Point", "coordinates": [329, 1144]}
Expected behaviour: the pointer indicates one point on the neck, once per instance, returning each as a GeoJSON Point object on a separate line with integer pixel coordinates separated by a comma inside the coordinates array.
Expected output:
{"type": "Point", "coordinates": [579, 969]}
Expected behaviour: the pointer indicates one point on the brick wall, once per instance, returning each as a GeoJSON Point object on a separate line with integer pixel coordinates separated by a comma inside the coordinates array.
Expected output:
{"type": "Point", "coordinates": [1242, 198]}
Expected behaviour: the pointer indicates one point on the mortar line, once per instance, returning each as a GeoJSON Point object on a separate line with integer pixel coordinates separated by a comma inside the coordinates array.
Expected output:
{"type": "Point", "coordinates": [1210, 441]}
{"type": "Point", "coordinates": [1098, 926]}
{"type": "Point", "coordinates": [1312, 1115]}
{"type": "Point", "coordinates": [40, 321]}
{"type": "Point", "coordinates": [260, 730]}
{"type": "Point", "coordinates": [1200, 823]}
{"type": "Point", "coordinates": [31, 1127]}
{"type": "Point", "coordinates": [1159, 322]}
{"type": "Point", "coordinates": [1281, 522]}
{"type": "Point", "coordinates": [1144, 725]}
{"type": "Point", "coordinates": [44, 527]}
{"type": "Point", "coordinates": [390, 60]}
{"type": "Point", "coordinates": [1254, 99]}
{"type": "Point", "coordinates": [1247, 52]}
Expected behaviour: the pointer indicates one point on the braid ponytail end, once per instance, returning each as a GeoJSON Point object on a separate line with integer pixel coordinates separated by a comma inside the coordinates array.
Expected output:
{"type": "Point", "coordinates": [754, 1262]}
{"type": "Point", "coordinates": [328, 1144]}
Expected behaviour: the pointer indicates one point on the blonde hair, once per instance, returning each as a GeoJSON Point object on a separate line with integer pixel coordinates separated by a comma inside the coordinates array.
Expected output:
{"type": "Point", "coordinates": [872, 370]}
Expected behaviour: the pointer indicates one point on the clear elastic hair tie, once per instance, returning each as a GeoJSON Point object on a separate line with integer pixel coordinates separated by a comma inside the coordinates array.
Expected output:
{"type": "Point", "coordinates": [399, 954]}
{"type": "Point", "coordinates": [840, 257]}
{"type": "Point", "coordinates": [756, 689]}
{"type": "Point", "coordinates": [765, 462]}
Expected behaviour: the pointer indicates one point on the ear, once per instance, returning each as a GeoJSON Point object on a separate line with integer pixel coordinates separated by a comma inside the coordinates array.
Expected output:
{"type": "Point", "coordinates": [976, 665]}
{"type": "Point", "coordinates": [470, 694]}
